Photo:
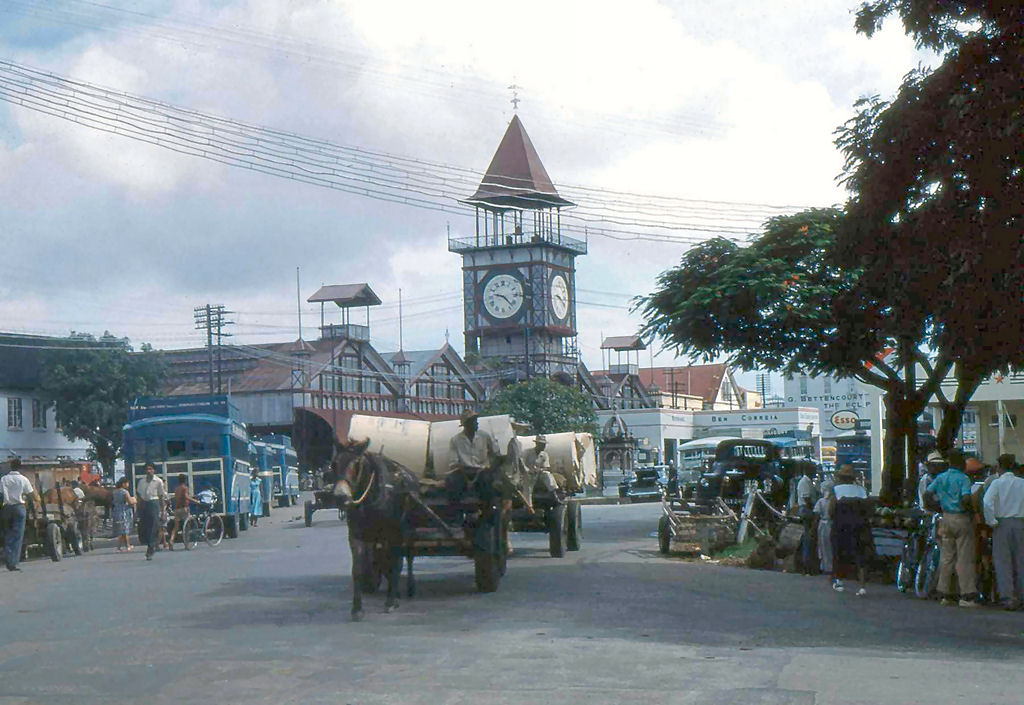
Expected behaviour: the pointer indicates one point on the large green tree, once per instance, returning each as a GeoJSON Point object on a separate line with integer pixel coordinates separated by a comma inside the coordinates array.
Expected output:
{"type": "Point", "coordinates": [546, 405]}
{"type": "Point", "coordinates": [92, 388]}
{"type": "Point", "coordinates": [788, 302]}
{"type": "Point", "coordinates": [936, 174]}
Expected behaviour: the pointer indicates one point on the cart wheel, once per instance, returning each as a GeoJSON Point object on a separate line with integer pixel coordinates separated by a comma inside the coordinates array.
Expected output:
{"type": "Point", "coordinates": [557, 530]}
{"type": "Point", "coordinates": [487, 562]}
{"type": "Point", "coordinates": [74, 539]}
{"type": "Point", "coordinates": [231, 526]}
{"type": "Point", "coordinates": [54, 542]}
{"type": "Point", "coordinates": [664, 535]}
{"type": "Point", "coordinates": [574, 532]}
{"type": "Point", "coordinates": [308, 513]}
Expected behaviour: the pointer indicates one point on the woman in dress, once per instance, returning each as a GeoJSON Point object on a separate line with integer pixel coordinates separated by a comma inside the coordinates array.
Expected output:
{"type": "Point", "coordinates": [255, 498]}
{"type": "Point", "coordinates": [851, 532]}
{"type": "Point", "coordinates": [122, 514]}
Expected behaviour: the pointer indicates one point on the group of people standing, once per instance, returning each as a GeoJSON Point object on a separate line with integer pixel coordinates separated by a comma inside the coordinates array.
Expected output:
{"type": "Point", "coordinates": [971, 505]}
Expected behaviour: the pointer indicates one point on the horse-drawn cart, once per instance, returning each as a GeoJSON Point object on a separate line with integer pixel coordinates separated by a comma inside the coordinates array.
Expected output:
{"type": "Point", "coordinates": [550, 503]}
{"type": "Point", "coordinates": [322, 499]}
{"type": "Point", "coordinates": [51, 524]}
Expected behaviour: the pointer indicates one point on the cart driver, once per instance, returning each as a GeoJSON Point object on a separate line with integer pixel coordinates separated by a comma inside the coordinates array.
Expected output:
{"type": "Point", "coordinates": [538, 466]}
{"type": "Point", "coordinates": [472, 450]}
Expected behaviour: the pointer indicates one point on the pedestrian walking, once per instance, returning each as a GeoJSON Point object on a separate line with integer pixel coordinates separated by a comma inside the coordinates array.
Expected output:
{"type": "Point", "coordinates": [851, 532]}
{"type": "Point", "coordinates": [824, 519]}
{"type": "Point", "coordinates": [122, 514]}
{"type": "Point", "coordinates": [952, 490]}
{"type": "Point", "coordinates": [152, 494]}
{"type": "Point", "coordinates": [14, 488]}
{"type": "Point", "coordinates": [807, 496]}
{"type": "Point", "coordinates": [182, 499]}
{"type": "Point", "coordinates": [255, 498]}
{"type": "Point", "coordinates": [1004, 512]}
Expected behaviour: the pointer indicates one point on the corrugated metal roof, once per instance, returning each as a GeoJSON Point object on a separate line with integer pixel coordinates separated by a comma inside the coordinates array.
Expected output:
{"type": "Point", "coordinates": [516, 176]}
{"type": "Point", "coordinates": [346, 295]}
{"type": "Point", "coordinates": [623, 342]}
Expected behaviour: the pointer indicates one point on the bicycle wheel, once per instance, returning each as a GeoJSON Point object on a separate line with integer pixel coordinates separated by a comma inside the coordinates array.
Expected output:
{"type": "Point", "coordinates": [213, 530]}
{"type": "Point", "coordinates": [927, 577]}
{"type": "Point", "coordinates": [190, 533]}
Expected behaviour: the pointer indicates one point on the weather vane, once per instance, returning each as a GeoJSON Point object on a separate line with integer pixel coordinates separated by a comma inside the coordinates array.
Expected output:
{"type": "Point", "coordinates": [515, 96]}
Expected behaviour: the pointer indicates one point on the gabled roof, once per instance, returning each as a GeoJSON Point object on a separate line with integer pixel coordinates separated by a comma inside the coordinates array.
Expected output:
{"type": "Point", "coordinates": [345, 295]}
{"type": "Point", "coordinates": [516, 178]}
{"type": "Point", "coordinates": [623, 342]}
{"type": "Point", "coordinates": [695, 380]}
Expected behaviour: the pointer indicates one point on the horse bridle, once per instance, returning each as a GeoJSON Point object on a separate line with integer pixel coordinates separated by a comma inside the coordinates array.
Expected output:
{"type": "Point", "coordinates": [369, 485]}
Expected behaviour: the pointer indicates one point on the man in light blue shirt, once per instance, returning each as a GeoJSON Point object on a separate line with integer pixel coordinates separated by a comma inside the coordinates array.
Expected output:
{"type": "Point", "coordinates": [952, 489]}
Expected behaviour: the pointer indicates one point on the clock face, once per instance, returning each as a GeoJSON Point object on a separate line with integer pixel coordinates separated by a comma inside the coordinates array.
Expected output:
{"type": "Point", "coordinates": [559, 296]}
{"type": "Point", "coordinates": [503, 296]}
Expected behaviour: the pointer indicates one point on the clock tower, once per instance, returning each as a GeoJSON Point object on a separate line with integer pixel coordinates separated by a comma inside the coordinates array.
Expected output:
{"type": "Point", "coordinates": [518, 269]}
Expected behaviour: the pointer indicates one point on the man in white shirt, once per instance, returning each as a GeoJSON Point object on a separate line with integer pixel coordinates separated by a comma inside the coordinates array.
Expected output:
{"type": "Point", "coordinates": [151, 493]}
{"type": "Point", "coordinates": [14, 487]}
{"type": "Point", "coordinates": [1003, 507]}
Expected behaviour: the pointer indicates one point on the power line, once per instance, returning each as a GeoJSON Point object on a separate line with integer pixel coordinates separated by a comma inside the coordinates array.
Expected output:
{"type": "Point", "coordinates": [302, 159]}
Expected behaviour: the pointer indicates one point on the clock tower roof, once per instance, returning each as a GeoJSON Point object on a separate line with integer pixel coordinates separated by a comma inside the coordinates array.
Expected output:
{"type": "Point", "coordinates": [516, 177]}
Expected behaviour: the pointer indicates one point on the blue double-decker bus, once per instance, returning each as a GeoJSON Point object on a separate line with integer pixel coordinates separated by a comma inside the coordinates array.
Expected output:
{"type": "Point", "coordinates": [201, 437]}
{"type": "Point", "coordinates": [279, 462]}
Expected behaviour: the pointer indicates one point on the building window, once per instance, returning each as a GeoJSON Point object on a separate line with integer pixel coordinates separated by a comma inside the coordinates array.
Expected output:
{"type": "Point", "coordinates": [827, 386]}
{"type": "Point", "coordinates": [803, 384]}
{"type": "Point", "coordinates": [14, 412]}
{"type": "Point", "coordinates": [38, 414]}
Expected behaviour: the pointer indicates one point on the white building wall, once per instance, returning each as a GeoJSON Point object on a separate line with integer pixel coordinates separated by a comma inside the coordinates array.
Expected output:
{"type": "Point", "coordinates": [29, 441]}
{"type": "Point", "coordinates": [840, 402]}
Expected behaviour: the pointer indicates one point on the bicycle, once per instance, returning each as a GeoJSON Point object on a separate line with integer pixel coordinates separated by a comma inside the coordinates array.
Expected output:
{"type": "Point", "coordinates": [913, 550]}
{"type": "Point", "coordinates": [202, 526]}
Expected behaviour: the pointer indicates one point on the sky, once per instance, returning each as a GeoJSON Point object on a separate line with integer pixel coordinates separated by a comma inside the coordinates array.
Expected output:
{"type": "Point", "coordinates": [709, 112]}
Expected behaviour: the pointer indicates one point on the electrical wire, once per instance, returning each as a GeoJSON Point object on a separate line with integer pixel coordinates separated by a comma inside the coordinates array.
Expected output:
{"type": "Point", "coordinates": [302, 159]}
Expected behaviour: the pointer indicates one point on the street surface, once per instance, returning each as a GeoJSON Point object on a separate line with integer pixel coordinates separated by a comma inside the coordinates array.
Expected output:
{"type": "Point", "coordinates": [265, 619]}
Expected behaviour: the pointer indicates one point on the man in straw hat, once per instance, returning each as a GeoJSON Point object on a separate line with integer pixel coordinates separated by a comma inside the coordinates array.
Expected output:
{"type": "Point", "coordinates": [472, 450]}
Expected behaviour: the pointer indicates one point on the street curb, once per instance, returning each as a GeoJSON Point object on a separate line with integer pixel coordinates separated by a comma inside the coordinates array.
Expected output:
{"type": "Point", "coordinates": [600, 500]}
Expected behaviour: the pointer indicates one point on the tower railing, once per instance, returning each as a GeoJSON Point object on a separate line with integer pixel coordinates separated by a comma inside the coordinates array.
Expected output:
{"type": "Point", "coordinates": [518, 238]}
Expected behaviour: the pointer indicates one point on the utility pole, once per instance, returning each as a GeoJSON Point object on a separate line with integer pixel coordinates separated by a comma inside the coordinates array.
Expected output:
{"type": "Point", "coordinates": [213, 319]}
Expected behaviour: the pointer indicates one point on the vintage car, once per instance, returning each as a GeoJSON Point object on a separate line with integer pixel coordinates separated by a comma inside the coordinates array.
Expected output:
{"type": "Point", "coordinates": [741, 465]}
{"type": "Point", "coordinates": [646, 484]}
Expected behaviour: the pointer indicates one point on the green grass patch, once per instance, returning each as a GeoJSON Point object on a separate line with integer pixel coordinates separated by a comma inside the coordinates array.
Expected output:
{"type": "Point", "coordinates": [740, 550]}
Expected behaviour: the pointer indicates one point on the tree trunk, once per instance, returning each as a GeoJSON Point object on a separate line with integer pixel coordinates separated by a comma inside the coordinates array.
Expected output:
{"type": "Point", "coordinates": [968, 381]}
{"type": "Point", "coordinates": [900, 424]}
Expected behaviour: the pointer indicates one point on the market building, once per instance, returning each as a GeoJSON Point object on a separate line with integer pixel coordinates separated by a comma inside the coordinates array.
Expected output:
{"type": "Point", "coordinates": [309, 390]}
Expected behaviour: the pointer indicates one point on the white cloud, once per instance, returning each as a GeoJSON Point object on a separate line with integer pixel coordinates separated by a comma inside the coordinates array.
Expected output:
{"type": "Point", "coordinates": [696, 101]}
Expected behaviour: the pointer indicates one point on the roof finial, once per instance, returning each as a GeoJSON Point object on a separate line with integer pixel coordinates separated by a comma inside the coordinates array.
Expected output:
{"type": "Point", "coordinates": [515, 96]}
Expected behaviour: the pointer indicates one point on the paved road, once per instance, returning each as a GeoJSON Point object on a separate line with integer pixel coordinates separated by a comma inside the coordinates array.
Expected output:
{"type": "Point", "coordinates": [265, 619]}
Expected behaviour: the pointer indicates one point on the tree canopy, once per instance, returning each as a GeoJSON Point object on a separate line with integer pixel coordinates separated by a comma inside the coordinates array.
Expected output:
{"type": "Point", "coordinates": [546, 405]}
{"type": "Point", "coordinates": [937, 182]}
{"type": "Point", "coordinates": [93, 388]}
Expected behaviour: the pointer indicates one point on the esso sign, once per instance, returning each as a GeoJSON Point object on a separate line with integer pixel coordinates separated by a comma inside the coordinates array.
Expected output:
{"type": "Point", "coordinates": [845, 420]}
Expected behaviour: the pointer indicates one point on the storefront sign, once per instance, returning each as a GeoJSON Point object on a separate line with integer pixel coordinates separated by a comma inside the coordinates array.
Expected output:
{"type": "Point", "coordinates": [845, 420]}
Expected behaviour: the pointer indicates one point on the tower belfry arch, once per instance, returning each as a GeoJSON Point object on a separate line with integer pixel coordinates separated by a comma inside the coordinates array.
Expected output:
{"type": "Point", "coordinates": [519, 270]}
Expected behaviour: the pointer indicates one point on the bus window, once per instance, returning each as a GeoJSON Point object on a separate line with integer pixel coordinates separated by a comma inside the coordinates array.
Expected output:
{"type": "Point", "coordinates": [175, 449]}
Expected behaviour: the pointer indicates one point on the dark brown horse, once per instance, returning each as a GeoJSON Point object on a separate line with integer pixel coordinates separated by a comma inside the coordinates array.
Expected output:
{"type": "Point", "coordinates": [376, 493]}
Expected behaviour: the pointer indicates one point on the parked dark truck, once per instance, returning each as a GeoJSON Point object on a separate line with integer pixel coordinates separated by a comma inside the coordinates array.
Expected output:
{"type": "Point", "coordinates": [742, 464]}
